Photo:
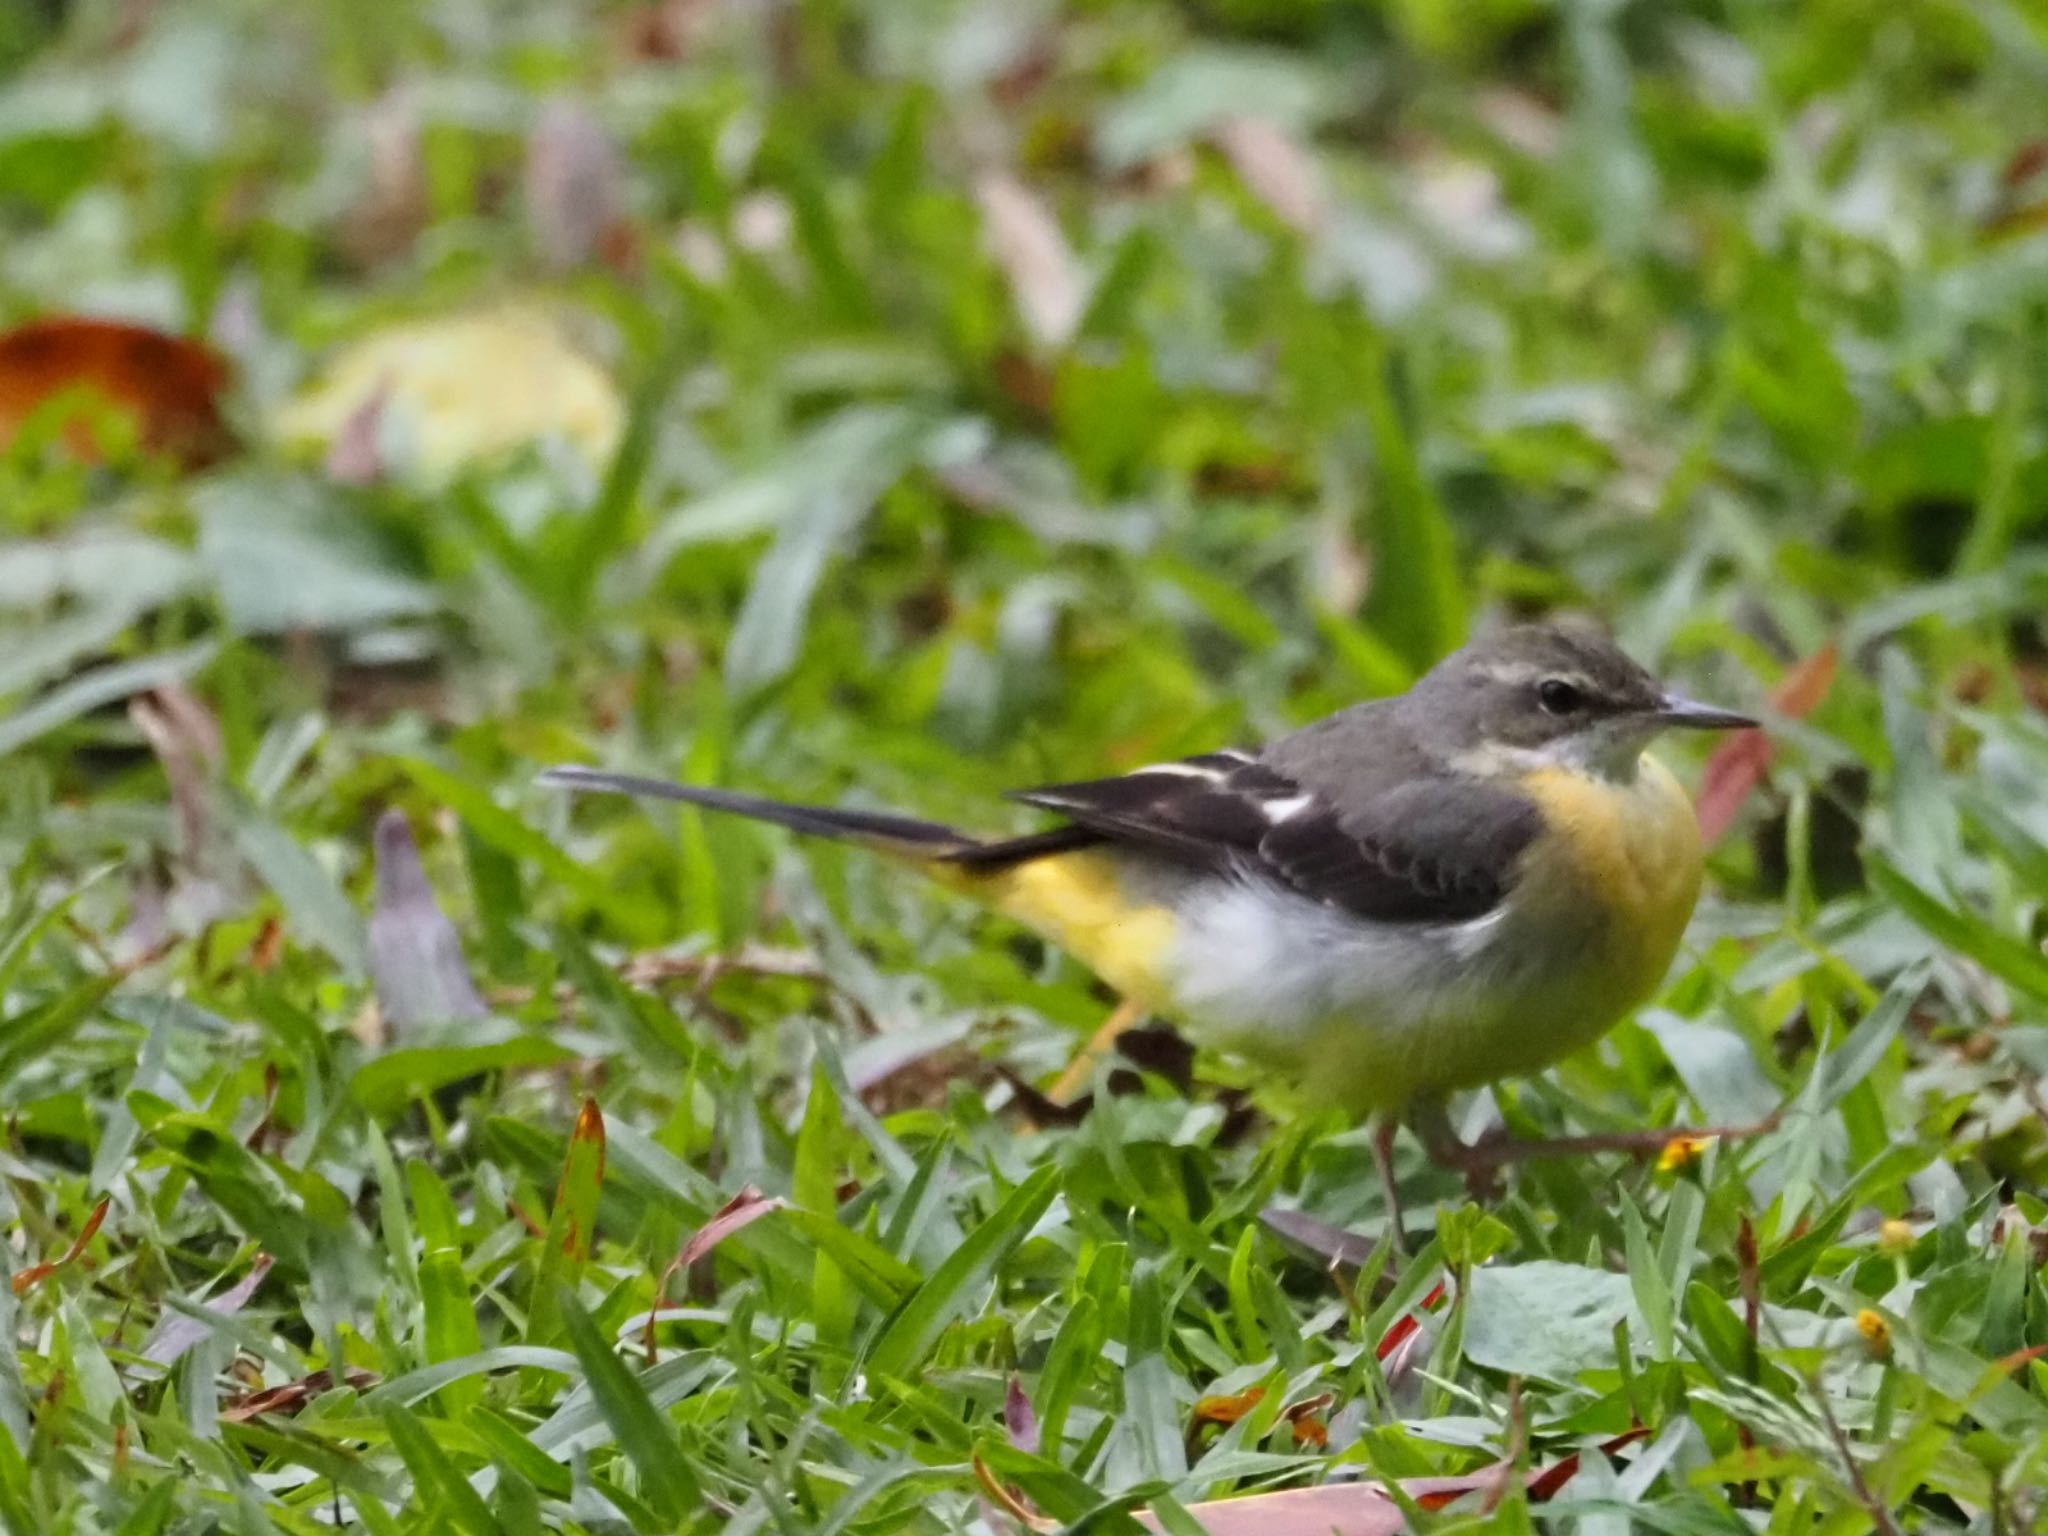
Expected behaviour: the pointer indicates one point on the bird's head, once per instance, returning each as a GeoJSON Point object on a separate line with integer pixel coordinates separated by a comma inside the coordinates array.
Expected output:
{"type": "Point", "coordinates": [1558, 694]}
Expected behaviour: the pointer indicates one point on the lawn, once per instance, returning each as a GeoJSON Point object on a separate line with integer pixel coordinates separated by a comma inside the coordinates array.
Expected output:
{"type": "Point", "coordinates": [894, 404]}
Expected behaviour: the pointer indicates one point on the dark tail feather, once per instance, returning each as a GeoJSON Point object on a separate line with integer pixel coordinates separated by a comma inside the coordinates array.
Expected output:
{"type": "Point", "coordinates": [923, 837]}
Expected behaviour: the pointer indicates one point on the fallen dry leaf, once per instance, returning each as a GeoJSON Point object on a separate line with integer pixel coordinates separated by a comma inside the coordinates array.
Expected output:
{"type": "Point", "coordinates": [1228, 1410]}
{"type": "Point", "coordinates": [1278, 169]}
{"type": "Point", "coordinates": [166, 387]}
{"type": "Point", "coordinates": [291, 1397]}
{"type": "Point", "coordinates": [1363, 1508]}
{"type": "Point", "coordinates": [395, 202]}
{"type": "Point", "coordinates": [26, 1279]}
{"type": "Point", "coordinates": [742, 1210]}
{"type": "Point", "coordinates": [185, 736]}
{"type": "Point", "coordinates": [1027, 243]}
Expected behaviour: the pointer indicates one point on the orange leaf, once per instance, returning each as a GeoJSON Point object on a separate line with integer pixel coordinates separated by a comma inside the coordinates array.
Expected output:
{"type": "Point", "coordinates": [168, 386]}
{"type": "Point", "coordinates": [1309, 1430]}
{"type": "Point", "coordinates": [1228, 1410]}
{"type": "Point", "coordinates": [1738, 764]}
{"type": "Point", "coordinates": [35, 1274]}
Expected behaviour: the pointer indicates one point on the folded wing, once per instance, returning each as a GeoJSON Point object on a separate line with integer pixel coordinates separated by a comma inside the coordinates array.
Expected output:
{"type": "Point", "coordinates": [1421, 850]}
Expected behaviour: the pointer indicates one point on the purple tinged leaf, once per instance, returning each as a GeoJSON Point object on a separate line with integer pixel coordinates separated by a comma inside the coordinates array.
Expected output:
{"type": "Point", "coordinates": [1019, 1421]}
{"type": "Point", "coordinates": [416, 962]}
{"type": "Point", "coordinates": [178, 1333]}
{"type": "Point", "coordinates": [575, 184]}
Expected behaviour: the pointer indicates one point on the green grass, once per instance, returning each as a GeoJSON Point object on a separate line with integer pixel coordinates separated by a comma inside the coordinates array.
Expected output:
{"type": "Point", "coordinates": [1722, 321]}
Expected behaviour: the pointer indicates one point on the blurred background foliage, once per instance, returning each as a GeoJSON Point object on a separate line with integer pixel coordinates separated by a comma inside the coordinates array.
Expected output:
{"type": "Point", "coordinates": [903, 400]}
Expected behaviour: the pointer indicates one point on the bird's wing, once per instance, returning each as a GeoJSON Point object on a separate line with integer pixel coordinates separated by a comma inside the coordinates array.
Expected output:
{"type": "Point", "coordinates": [1423, 848]}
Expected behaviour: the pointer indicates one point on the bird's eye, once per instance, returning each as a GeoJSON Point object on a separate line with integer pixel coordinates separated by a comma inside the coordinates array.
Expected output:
{"type": "Point", "coordinates": [1559, 697]}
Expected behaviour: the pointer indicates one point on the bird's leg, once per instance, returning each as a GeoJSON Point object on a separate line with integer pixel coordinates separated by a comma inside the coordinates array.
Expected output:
{"type": "Point", "coordinates": [1121, 1018]}
{"type": "Point", "coordinates": [1431, 1123]}
{"type": "Point", "coordinates": [1383, 1132]}
{"type": "Point", "coordinates": [1481, 1159]}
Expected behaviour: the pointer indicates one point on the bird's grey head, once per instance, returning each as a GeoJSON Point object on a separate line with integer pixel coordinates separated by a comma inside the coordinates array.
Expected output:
{"type": "Point", "coordinates": [1557, 694]}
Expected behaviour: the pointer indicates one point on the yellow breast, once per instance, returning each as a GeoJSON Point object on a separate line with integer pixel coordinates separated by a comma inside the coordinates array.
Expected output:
{"type": "Point", "coordinates": [1633, 850]}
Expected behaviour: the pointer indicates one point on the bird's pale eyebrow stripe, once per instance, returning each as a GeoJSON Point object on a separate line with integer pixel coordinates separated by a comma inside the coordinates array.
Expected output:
{"type": "Point", "coordinates": [1529, 672]}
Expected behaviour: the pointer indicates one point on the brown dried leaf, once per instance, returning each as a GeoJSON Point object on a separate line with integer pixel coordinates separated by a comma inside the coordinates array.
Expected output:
{"type": "Point", "coordinates": [1278, 169]}
{"type": "Point", "coordinates": [1028, 245]}
{"type": "Point", "coordinates": [1228, 1410]}
{"type": "Point", "coordinates": [27, 1279]}
{"type": "Point", "coordinates": [1363, 1509]}
{"type": "Point", "coordinates": [742, 1210]}
{"type": "Point", "coordinates": [185, 736]}
{"type": "Point", "coordinates": [291, 1397]}
{"type": "Point", "coordinates": [167, 386]}
{"type": "Point", "coordinates": [395, 202]}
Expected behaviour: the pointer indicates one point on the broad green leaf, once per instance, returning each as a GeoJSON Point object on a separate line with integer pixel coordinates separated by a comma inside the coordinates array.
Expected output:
{"type": "Point", "coordinates": [1546, 1319]}
{"type": "Point", "coordinates": [648, 1440]}
{"type": "Point", "coordinates": [101, 686]}
{"type": "Point", "coordinates": [386, 1084]}
{"type": "Point", "coordinates": [957, 1283]}
{"type": "Point", "coordinates": [450, 1327]}
{"type": "Point", "coordinates": [815, 1186]}
{"type": "Point", "coordinates": [2007, 958]}
{"type": "Point", "coordinates": [436, 1480]}
{"type": "Point", "coordinates": [1417, 600]}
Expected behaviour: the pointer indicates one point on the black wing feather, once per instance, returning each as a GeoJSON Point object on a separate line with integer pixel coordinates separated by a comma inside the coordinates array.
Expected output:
{"type": "Point", "coordinates": [1428, 849]}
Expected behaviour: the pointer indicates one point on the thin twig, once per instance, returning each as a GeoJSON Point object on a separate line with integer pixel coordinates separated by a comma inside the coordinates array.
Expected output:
{"type": "Point", "coordinates": [1493, 1154]}
{"type": "Point", "coordinates": [1879, 1514]}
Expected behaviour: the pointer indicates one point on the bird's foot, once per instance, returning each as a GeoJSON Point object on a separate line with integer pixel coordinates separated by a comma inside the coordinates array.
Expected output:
{"type": "Point", "coordinates": [1082, 1067]}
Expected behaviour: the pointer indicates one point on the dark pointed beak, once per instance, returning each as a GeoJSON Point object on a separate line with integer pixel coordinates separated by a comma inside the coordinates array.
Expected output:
{"type": "Point", "coordinates": [1689, 714]}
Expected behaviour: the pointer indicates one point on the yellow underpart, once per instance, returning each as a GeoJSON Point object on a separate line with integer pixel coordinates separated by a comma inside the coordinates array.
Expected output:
{"type": "Point", "coordinates": [1635, 850]}
{"type": "Point", "coordinates": [1076, 901]}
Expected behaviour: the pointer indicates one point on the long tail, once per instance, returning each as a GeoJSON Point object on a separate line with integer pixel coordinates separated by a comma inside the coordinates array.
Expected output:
{"type": "Point", "coordinates": [924, 842]}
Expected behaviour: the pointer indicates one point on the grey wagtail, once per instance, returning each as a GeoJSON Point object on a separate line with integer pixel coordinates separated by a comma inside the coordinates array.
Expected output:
{"type": "Point", "coordinates": [1414, 895]}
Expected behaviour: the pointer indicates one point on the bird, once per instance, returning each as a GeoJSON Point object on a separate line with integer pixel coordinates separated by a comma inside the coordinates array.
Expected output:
{"type": "Point", "coordinates": [1413, 896]}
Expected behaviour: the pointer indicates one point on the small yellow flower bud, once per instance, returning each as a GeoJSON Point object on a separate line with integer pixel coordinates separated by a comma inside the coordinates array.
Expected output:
{"type": "Point", "coordinates": [1895, 1238]}
{"type": "Point", "coordinates": [1877, 1333]}
{"type": "Point", "coordinates": [1682, 1152]}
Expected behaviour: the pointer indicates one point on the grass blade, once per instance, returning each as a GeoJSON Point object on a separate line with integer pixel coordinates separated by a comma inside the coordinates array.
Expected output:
{"type": "Point", "coordinates": [916, 1327]}
{"type": "Point", "coordinates": [648, 1440]}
